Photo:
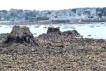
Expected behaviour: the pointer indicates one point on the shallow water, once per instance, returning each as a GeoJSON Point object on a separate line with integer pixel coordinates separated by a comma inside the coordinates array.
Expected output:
{"type": "Point", "coordinates": [97, 31]}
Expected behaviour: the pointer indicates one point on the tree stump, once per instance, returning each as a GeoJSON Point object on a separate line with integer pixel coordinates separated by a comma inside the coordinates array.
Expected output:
{"type": "Point", "coordinates": [53, 30]}
{"type": "Point", "coordinates": [20, 35]}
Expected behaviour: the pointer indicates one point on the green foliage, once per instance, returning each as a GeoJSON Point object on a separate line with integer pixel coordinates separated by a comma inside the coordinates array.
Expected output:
{"type": "Point", "coordinates": [73, 10]}
{"type": "Point", "coordinates": [42, 18]}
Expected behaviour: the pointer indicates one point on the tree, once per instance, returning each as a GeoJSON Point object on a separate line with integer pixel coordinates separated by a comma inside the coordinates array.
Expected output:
{"type": "Point", "coordinates": [42, 18]}
{"type": "Point", "coordinates": [73, 10]}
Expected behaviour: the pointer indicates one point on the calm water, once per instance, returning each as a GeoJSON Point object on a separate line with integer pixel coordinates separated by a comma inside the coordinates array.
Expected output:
{"type": "Point", "coordinates": [97, 31]}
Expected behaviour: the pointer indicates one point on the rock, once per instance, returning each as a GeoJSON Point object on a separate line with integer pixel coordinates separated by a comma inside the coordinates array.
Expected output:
{"type": "Point", "coordinates": [53, 30]}
{"type": "Point", "coordinates": [20, 35]}
{"type": "Point", "coordinates": [56, 31]}
{"type": "Point", "coordinates": [54, 35]}
{"type": "Point", "coordinates": [73, 33]}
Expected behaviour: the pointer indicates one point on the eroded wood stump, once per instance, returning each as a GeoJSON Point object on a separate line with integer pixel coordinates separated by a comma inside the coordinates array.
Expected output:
{"type": "Point", "coordinates": [53, 30]}
{"type": "Point", "coordinates": [20, 35]}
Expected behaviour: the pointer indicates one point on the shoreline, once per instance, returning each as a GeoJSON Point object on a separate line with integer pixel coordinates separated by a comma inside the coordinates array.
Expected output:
{"type": "Point", "coordinates": [62, 25]}
{"type": "Point", "coordinates": [47, 22]}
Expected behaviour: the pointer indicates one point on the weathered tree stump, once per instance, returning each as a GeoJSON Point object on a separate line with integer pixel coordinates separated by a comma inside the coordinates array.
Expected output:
{"type": "Point", "coordinates": [20, 35]}
{"type": "Point", "coordinates": [53, 30]}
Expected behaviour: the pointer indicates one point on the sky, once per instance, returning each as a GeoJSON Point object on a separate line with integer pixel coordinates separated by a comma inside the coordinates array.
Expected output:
{"type": "Point", "coordinates": [50, 4]}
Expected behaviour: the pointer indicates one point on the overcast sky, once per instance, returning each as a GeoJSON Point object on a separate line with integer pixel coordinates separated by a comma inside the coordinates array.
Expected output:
{"type": "Point", "coordinates": [50, 4]}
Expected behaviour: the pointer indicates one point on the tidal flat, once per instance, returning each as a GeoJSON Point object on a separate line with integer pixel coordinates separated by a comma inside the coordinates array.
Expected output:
{"type": "Point", "coordinates": [54, 50]}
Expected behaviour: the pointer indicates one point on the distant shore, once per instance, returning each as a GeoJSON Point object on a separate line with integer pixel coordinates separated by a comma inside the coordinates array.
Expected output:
{"type": "Point", "coordinates": [44, 22]}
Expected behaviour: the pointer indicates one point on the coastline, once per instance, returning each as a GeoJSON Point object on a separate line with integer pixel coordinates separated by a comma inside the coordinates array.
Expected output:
{"type": "Point", "coordinates": [46, 22]}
